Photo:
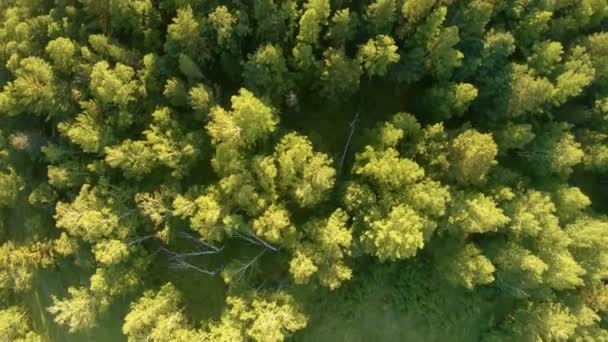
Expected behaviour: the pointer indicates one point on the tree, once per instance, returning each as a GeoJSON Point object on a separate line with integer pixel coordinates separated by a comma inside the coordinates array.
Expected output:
{"type": "Point", "coordinates": [466, 266]}
{"type": "Point", "coordinates": [438, 42]}
{"type": "Point", "coordinates": [446, 101]}
{"type": "Point", "coordinates": [184, 35]}
{"type": "Point", "coordinates": [305, 176]}
{"type": "Point", "coordinates": [92, 217]}
{"type": "Point", "coordinates": [381, 16]}
{"type": "Point", "coordinates": [110, 49]}
{"type": "Point", "coordinates": [249, 121]}
{"type": "Point", "coordinates": [88, 129]}
{"type": "Point", "coordinates": [223, 22]}
{"type": "Point", "coordinates": [331, 244]}
{"type": "Point", "coordinates": [136, 18]}
{"type": "Point", "coordinates": [545, 57]}
{"type": "Point", "coordinates": [79, 312]}
{"type": "Point", "coordinates": [15, 326]}
{"type": "Point", "coordinates": [275, 225]}
{"type": "Point", "coordinates": [386, 169]}
{"type": "Point", "coordinates": [513, 136]}
{"type": "Point", "coordinates": [200, 98]}
{"type": "Point", "coordinates": [342, 27]}
{"type": "Point", "coordinates": [518, 271]}
{"type": "Point", "coordinates": [415, 10]}
{"type": "Point", "coordinates": [11, 186]}
{"type": "Point", "coordinates": [340, 75]}
{"type": "Point", "coordinates": [378, 54]}
{"type": "Point", "coordinates": [19, 264]}
{"type": "Point", "coordinates": [531, 213]}
{"type": "Point", "coordinates": [429, 197]}
{"type": "Point", "coordinates": [477, 213]}
{"type": "Point", "coordinates": [266, 72]}
{"type": "Point", "coordinates": [529, 93]}
{"type": "Point", "coordinates": [113, 87]}
{"type": "Point", "coordinates": [596, 45]}
{"type": "Point", "coordinates": [110, 252]}
{"type": "Point", "coordinates": [156, 316]}
{"type": "Point", "coordinates": [312, 21]}
{"type": "Point", "coordinates": [33, 89]}
{"type": "Point", "coordinates": [166, 144]}
{"type": "Point", "coordinates": [62, 51]}
{"type": "Point", "coordinates": [472, 155]}
{"type": "Point", "coordinates": [555, 151]}
{"type": "Point", "coordinates": [589, 245]}
{"type": "Point", "coordinates": [570, 203]}
{"type": "Point", "coordinates": [175, 91]}
{"type": "Point", "coordinates": [398, 236]}
{"type": "Point", "coordinates": [578, 73]}
{"type": "Point", "coordinates": [262, 318]}
{"type": "Point", "coordinates": [205, 215]}
{"type": "Point", "coordinates": [538, 321]}
{"type": "Point", "coordinates": [270, 18]}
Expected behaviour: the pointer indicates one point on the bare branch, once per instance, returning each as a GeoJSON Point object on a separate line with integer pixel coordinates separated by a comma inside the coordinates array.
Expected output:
{"type": "Point", "coordinates": [181, 264]}
{"type": "Point", "coordinates": [353, 126]}
{"type": "Point", "coordinates": [255, 240]}
{"type": "Point", "coordinates": [243, 269]}
{"type": "Point", "coordinates": [141, 239]}
{"type": "Point", "coordinates": [197, 241]}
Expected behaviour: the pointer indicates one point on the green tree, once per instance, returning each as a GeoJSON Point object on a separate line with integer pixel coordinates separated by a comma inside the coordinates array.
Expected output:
{"type": "Point", "coordinates": [312, 21]}
{"type": "Point", "coordinates": [223, 23]}
{"type": "Point", "coordinates": [577, 74]}
{"type": "Point", "coordinates": [342, 27]}
{"type": "Point", "coordinates": [91, 217]}
{"type": "Point", "coordinates": [589, 246]}
{"type": "Point", "coordinates": [386, 169]}
{"type": "Point", "coordinates": [378, 54]}
{"type": "Point", "coordinates": [555, 151]}
{"type": "Point", "coordinates": [340, 75]}
{"type": "Point", "coordinates": [414, 11]}
{"type": "Point", "coordinates": [62, 51]}
{"type": "Point", "coordinates": [263, 318]}
{"type": "Point", "coordinates": [400, 235]}
{"type": "Point", "coordinates": [10, 187]}
{"type": "Point", "coordinates": [466, 266]}
{"type": "Point", "coordinates": [446, 101]}
{"type": "Point", "coordinates": [15, 326]}
{"type": "Point", "coordinates": [275, 225]}
{"type": "Point", "coordinates": [266, 72]}
{"type": "Point", "coordinates": [381, 16]}
{"type": "Point", "coordinates": [513, 136]}
{"type": "Point", "coordinates": [113, 86]}
{"type": "Point", "coordinates": [596, 45]}
{"type": "Point", "coordinates": [88, 130]}
{"type": "Point", "coordinates": [156, 316]}
{"type": "Point", "coordinates": [184, 35]}
{"type": "Point", "coordinates": [529, 93]}
{"type": "Point", "coordinates": [306, 176]}
{"type": "Point", "coordinates": [200, 98]}
{"type": "Point", "coordinates": [477, 213]}
{"type": "Point", "coordinates": [166, 144]}
{"type": "Point", "coordinates": [249, 121]}
{"type": "Point", "coordinates": [472, 155]}
{"type": "Point", "coordinates": [325, 257]}
{"type": "Point", "coordinates": [34, 89]}
{"type": "Point", "coordinates": [78, 312]}
{"type": "Point", "coordinates": [19, 263]}
{"type": "Point", "coordinates": [545, 57]}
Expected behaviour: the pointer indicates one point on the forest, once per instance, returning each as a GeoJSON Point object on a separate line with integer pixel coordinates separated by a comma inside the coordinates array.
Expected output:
{"type": "Point", "coordinates": [303, 170]}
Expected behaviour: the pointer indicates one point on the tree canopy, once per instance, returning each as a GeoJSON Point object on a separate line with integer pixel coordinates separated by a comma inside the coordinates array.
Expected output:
{"type": "Point", "coordinates": [390, 170]}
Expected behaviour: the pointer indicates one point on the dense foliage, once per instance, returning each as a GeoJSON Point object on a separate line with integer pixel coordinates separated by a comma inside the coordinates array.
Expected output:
{"type": "Point", "coordinates": [319, 170]}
